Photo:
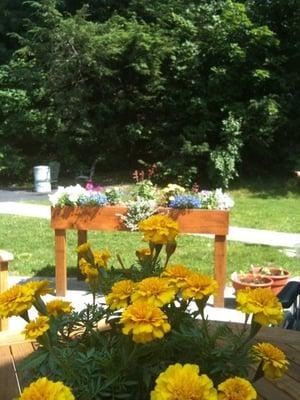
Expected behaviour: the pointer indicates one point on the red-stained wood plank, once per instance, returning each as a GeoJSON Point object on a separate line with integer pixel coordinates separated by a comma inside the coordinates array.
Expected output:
{"type": "Point", "coordinates": [8, 379]}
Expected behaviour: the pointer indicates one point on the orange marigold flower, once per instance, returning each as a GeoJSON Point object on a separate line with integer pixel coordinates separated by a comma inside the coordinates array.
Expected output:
{"type": "Point", "coordinates": [57, 307]}
{"type": "Point", "coordinates": [16, 301]}
{"type": "Point", "coordinates": [274, 362]}
{"type": "Point", "coordinates": [159, 229]}
{"type": "Point", "coordinates": [183, 382]}
{"type": "Point", "coordinates": [145, 322]}
{"type": "Point", "coordinates": [262, 303]}
{"type": "Point", "coordinates": [176, 275]}
{"type": "Point", "coordinates": [36, 328]}
{"type": "Point", "coordinates": [236, 389]}
{"type": "Point", "coordinates": [198, 286]}
{"type": "Point", "coordinates": [120, 294]}
{"type": "Point", "coordinates": [154, 290]}
{"type": "Point", "coordinates": [46, 390]}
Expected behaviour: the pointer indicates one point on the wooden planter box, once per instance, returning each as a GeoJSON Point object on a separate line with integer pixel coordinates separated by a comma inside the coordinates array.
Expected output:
{"type": "Point", "coordinates": [83, 219]}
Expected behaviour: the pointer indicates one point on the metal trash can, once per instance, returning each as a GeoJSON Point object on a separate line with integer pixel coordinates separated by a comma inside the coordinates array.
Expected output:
{"type": "Point", "coordinates": [42, 178]}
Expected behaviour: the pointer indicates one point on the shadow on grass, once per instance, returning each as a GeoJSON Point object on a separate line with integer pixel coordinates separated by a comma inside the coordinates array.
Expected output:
{"type": "Point", "coordinates": [268, 186]}
{"type": "Point", "coordinates": [49, 271]}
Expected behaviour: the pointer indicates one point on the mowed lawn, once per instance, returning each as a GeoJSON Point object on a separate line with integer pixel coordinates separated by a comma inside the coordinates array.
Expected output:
{"type": "Point", "coordinates": [270, 204]}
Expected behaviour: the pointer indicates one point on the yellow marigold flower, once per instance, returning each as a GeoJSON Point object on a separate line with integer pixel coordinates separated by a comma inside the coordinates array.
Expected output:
{"type": "Point", "coordinates": [92, 274]}
{"type": "Point", "coordinates": [57, 307]}
{"type": "Point", "coordinates": [183, 382]}
{"type": "Point", "coordinates": [88, 270]}
{"type": "Point", "coordinates": [176, 275]}
{"type": "Point", "coordinates": [36, 328]}
{"type": "Point", "coordinates": [39, 288]}
{"type": "Point", "coordinates": [143, 253]}
{"type": "Point", "coordinates": [154, 290]}
{"type": "Point", "coordinates": [16, 301]}
{"type": "Point", "coordinates": [274, 362]}
{"type": "Point", "coordinates": [262, 303]}
{"type": "Point", "coordinates": [120, 294]}
{"type": "Point", "coordinates": [83, 264]}
{"type": "Point", "coordinates": [83, 248]}
{"type": "Point", "coordinates": [101, 258]}
{"type": "Point", "coordinates": [236, 389]}
{"type": "Point", "coordinates": [159, 229]}
{"type": "Point", "coordinates": [198, 286]}
{"type": "Point", "coordinates": [145, 322]}
{"type": "Point", "coordinates": [47, 390]}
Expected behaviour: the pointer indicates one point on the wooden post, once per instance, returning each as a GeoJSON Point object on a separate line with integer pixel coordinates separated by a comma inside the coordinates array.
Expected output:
{"type": "Point", "coordinates": [60, 262]}
{"type": "Point", "coordinates": [220, 269]}
{"type": "Point", "coordinates": [81, 238]}
{"type": "Point", "coordinates": [5, 257]}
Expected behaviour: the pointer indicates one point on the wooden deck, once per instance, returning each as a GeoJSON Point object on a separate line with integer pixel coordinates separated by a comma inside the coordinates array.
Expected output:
{"type": "Point", "coordinates": [286, 388]}
{"type": "Point", "coordinates": [12, 353]}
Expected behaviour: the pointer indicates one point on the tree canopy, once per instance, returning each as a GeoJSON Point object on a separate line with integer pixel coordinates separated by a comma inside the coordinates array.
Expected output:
{"type": "Point", "coordinates": [203, 88]}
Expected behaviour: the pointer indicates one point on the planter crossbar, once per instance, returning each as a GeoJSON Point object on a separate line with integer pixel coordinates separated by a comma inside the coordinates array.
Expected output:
{"type": "Point", "coordinates": [83, 219]}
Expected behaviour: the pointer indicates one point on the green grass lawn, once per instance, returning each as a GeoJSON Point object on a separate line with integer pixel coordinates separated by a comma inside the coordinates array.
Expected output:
{"type": "Point", "coordinates": [273, 205]}
{"type": "Point", "coordinates": [31, 240]}
{"type": "Point", "coordinates": [264, 204]}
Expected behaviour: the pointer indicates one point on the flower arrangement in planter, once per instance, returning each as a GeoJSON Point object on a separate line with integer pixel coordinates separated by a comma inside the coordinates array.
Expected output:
{"type": "Point", "coordinates": [156, 341]}
{"type": "Point", "coordinates": [144, 200]}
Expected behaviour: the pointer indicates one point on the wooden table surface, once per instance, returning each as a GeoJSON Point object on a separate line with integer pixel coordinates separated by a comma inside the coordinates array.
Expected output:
{"type": "Point", "coordinates": [286, 388]}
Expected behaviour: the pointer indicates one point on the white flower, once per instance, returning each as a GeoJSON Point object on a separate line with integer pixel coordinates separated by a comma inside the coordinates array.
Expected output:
{"type": "Point", "coordinates": [224, 201]}
{"type": "Point", "coordinates": [55, 197]}
{"type": "Point", "coordinates": [69, 193]}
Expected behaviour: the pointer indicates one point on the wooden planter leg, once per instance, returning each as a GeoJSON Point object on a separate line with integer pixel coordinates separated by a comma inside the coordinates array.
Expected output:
{"type": "Point", "coordinates": [220, 269]}
{"type": "Point", "coordinates": [82, 238]}
{"type": "Point", "coordinates": [3, 288]}
{"type": "Point", "coordinates": [60, 262]}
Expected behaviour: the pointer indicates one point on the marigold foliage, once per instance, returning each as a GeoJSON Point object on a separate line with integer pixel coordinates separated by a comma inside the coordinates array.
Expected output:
{"type": "Point", "coordinates": [274, 362]}
{"type": "Point", "coordinates": [47, 390]}
{"type": "Point", "coordinates": [262, 303]}
{"type": "Point", "coordinates": [236, 389]}
{"type": "Point", "coordinates": [183, 382]}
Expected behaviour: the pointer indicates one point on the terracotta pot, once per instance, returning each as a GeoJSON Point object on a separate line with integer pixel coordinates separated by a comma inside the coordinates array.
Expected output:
{"type": "Point", "coordinates": [243, 281]}
{"type": "Point", "coordinates": [279, 281]}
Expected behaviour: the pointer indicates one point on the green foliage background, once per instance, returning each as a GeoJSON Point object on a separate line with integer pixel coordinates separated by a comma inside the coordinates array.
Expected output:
{"type": "Point", "coordinates": [204, 88]}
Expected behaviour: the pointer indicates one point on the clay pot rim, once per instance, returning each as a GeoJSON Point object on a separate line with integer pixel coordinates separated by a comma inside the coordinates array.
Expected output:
{"type": "Point", "coordinates": [286, 273]}
{"type": "Point", "coordinates": [235, 278]}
